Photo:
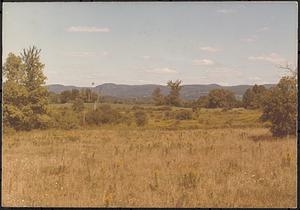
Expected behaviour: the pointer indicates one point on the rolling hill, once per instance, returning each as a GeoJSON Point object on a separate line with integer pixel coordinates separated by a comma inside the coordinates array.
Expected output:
{"type": "Point", "coordinates": [145, 91]}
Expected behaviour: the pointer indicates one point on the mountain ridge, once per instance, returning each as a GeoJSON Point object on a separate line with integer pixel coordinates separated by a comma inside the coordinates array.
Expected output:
{"type": "Point", "coordinates": [192, 91]}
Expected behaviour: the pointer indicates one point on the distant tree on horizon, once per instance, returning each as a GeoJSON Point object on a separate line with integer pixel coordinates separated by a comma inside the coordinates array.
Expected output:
{"type": "Point", "coordinates": [253, 97]}
{"type": "Point", "coordinates": [221, 98]}
{"type": "Point", "coordinates": [158, 97]}
{"type": "Point", "coordinates": [174, 96]}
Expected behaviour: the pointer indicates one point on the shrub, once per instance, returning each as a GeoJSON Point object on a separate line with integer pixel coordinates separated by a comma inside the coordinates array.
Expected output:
{"type": "Point", "coordinates": [103, 115]}
{"type": "Point", "coordinates": [65, 119]}
{"type": "Point", "coordinates": [140, 118]}
{"type": "Point", "coordinates": [168, 115]}
{"type": "Point", "coordinates": [78, 105]}
{"type": "Point", "coordinates": [183, 115]}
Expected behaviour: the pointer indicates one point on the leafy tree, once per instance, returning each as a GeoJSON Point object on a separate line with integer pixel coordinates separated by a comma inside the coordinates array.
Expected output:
{"type": "Point", "coordinates": [65, 96]}
{"type": "Point", "coordinates": [74, 94]}
{"type": "Point", "coordinates": [54, 98]}
{"type": "Point", "coordinates": [203, 101]}
{"type": "Point", "coordinates": [16, 111]}
{"type": "Point", "coordinates": [280, 107]}
{"type": "Point", "coordinates": [158, 97]}
{"type": "Point", "coordinates": [25, 96]}
{"type": "Point", "coordinates": [253, 97]}
{"type": "Point", "coordinates": [35, 85]}
{"type": "Point", "coordinates": [221, 98]}
{"type": "Point", "coordinates": [174, 96]}
{"type": "Point", "coordinates": [88, 95]}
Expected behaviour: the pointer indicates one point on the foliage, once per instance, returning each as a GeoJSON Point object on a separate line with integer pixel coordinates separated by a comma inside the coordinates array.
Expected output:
{"type": "Point", "coordinates": [253, 97]}
{"type": "Point", "coordinates": [88, 96]}
{"type": "Point", "coordinates": [174, 96]}
{"type": "Point", "coordinates": [54, 98]}
{"type": "Point", "coordinates": [203, 101]}
{"type": "Point", "coordinates": [25, 97]}
{"type": "Point", "coordinates": [103, 115]}
{"type": "Point", "coordinates": [140, 118]}
{"type": "Point", "coordinates": [65, 96]}
{"type": "Point", "coordinates": [158, 97]}
{"type": "Point", "coordinates": [65, 118]}
{"type": "Point", "coordinates": [183, 115]}
{"type": "Point", "coordinates": [280, 107]}
{"type": "Point", "coordinates": [221, 98]}
{"type": "Point", "coordinates": [78, 105]}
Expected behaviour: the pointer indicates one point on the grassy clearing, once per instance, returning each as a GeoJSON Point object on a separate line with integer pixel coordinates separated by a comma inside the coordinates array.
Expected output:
{"type": "Point", "coordinates": [129, 167]}
{"type": "Point", "coordinates": [163, 117]}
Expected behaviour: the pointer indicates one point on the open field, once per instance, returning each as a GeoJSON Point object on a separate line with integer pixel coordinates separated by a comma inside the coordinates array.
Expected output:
{"type": "Point", "coordinates": [96, 167]}
{"type": "Point", "coordinates": [164, 116]}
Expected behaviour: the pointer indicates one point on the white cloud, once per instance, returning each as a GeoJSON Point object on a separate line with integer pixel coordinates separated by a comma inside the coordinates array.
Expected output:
{"type": "Point", "coordinates": [273, 58]}
{"type": "Point", "coordinates": [255, 78]}
{"type": "Point", "coordinates": [104, 53]}
{"type": "Point", "coordinates": [210, 49]}
{"type": "Point", "coordinates": [226, 11]}
{"type": "Point", "coordinates": [88, 29]}
{"type": "Point", "coordinates": [265, 28]}
{"type": "Point", "coordinates": [252, 38]}
{"type": "Point", "coordinates": [162, 71]}
{"type": "Point", "coordinates": [203, 62]}
{"type": "Point", "coordinates": [85, 54]}
{"type": "Point", "coordinates": [79, 54]}
{"type": "Point", "coordinates": [144, 81]}
{"type": "Point", "coordinates": [146, 57]}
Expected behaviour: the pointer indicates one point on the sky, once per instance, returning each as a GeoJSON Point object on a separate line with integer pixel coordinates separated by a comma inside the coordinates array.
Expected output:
{"type": "Point", "coordinates": [226, 43]}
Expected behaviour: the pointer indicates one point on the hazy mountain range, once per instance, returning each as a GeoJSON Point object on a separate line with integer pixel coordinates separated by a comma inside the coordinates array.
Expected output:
{"type": "Point", "coordinates": [145, 91]}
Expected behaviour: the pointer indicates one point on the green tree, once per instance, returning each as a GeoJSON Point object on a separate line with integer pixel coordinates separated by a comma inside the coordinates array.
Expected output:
{"type": "Point", "coordinates": [253, 97]}
{"type": "Point", "coordinates": [65, 96]}
{"type": "Point", "coordinates": [35, 84]}
{"type": "Point", "coordinates": [203, 101]}
{"type": "Point", "coordinates": [158, 97]}
{"type": "Point", "coordinates": [221, 98]}
{"type": "Point", "coordinates": [54, 98]}
{"type": "Point", "coordinates": [88, 95]}
{"type": "Point", "coordinates": [25, 96]}
{"type": "Point", "coordinates": [74, 94]}
{"type": "Point", "coordinates": [280, 107]}
{"type": "Point", "coordinates": [16, 111]}
{"type": "Point", "coordinates": [174, 96]}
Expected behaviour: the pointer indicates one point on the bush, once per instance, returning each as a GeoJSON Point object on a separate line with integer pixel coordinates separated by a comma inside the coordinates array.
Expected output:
{"type": "Point", "coordinates": [168, 115]}
{"type": "Point", "coordinates": [78, 105]}
{"type": "Point", "coordinates": [103, 115]}
{"type": "Point", "coordinates": [183, 115]}
{"type": "Point", "coordinates": [64, 118]}
{"type": "Point", "coordinates": [140, 118]}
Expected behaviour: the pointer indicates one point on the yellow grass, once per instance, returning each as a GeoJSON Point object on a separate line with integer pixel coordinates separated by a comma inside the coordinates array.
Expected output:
{"type": "Point", "coordinates": [225, 167]}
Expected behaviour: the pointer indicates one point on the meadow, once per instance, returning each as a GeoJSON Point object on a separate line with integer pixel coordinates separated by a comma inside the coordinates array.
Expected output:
{"type": "Point", "coordinates": [216, 158]}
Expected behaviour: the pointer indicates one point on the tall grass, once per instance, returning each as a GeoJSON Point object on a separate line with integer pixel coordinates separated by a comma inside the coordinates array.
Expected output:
{"type": "Point", "coordinates": [98, 167]}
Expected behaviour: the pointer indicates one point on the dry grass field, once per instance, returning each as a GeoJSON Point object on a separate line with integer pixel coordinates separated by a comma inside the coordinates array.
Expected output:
{"type": "Point", "coordinates": [224, 167]}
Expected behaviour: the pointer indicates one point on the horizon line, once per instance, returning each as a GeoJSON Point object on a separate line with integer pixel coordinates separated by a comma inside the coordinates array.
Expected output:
{"type": "Point", "coordinates": [157, 84]}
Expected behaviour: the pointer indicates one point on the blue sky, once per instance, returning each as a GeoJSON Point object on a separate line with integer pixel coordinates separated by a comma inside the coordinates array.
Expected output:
{"type": "Point", "coordinates": [151, 43]}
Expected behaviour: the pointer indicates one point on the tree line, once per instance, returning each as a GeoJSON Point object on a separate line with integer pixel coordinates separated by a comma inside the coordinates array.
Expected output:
{"type": "Point", "coordinates": [26, 99]}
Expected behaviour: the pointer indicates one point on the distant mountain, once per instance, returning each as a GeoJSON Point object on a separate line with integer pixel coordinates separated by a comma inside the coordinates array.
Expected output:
{"type": "Point", "coordinates": [145, 91]}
